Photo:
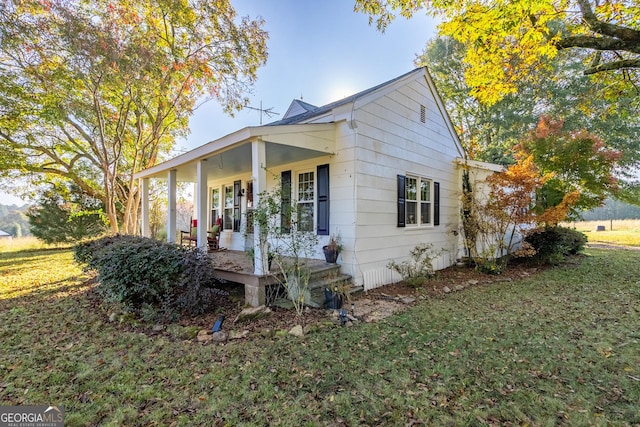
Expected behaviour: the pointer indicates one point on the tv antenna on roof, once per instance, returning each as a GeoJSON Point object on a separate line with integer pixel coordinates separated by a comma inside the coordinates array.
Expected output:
{"type": "Point", "coordinates": [266, 111]}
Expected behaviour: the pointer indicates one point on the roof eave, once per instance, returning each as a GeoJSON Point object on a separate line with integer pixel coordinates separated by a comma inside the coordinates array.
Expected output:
{"type": "Point", "coordinates": [241, 136]}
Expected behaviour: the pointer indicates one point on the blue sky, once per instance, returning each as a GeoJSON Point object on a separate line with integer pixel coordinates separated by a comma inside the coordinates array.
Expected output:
{"type": "Point", "coordinates": [320, 50]}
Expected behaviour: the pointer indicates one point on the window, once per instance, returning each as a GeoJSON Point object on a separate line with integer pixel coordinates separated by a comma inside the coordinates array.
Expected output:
{"type": "Point", "coordinates": [215, 205]}
{"type": "Point", "coordinates": [418, 201]}
{"type": "Point", "coordinates": [411, 198]}
{"type": "Point", "coordinates": [228, 207]}
{"type": "Point", "coordinates": [249, 195]}
{"type": "Point", "coordinates": [306, 199]}
{"type": "Point", "coordinates": [425, 201]}
{"type": "Point", "coordinates": [311, 193]}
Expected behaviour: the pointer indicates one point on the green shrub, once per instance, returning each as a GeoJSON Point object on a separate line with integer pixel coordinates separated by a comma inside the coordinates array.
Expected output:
{"type": "Point", "coordinates": [553, 244]}
{"type": "Point", "coordinates": [196, 291]}
{"type": "Point", "coordinates": [493, 266]}
{"type": "Point", "coordinates": [149, 276]}
{"type": "Point", "coordinates": [419, 269]}
{"type": "Point", "coordinates": [84, 252]}
{"type": "Point", "coordinates": [62, 215]}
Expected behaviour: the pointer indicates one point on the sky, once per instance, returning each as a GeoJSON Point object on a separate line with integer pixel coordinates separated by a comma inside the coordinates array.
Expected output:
{"type": "Point", "coordinates": [320, 51]}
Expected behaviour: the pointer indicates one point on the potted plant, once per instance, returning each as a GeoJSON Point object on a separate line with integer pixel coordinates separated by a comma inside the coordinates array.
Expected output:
{"type": "Point", "coordinates": [332, 249]}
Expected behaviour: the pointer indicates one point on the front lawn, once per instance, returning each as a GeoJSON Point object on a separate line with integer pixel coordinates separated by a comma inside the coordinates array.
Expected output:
{"type": "Point", "coordinates": [560, 347]}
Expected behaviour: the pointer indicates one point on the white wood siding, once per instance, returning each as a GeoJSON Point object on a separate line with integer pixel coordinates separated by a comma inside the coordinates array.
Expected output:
{"type": "Point", "coordinates": [392, 140]}
{"type": "Point", "coordinates": [378, 137]}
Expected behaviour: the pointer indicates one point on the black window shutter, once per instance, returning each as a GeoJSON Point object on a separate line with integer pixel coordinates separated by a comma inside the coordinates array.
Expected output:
{"type": "Point", "coordinates": [237, 188]}
{"type": "Point", "coordinates": [285, 201]}
{"type": "Point", "coordinates": [436, 203]}
{"type": "Point", "coordinates": [323, 200]}
{"type": "Point", "coordinates": [401, 201]}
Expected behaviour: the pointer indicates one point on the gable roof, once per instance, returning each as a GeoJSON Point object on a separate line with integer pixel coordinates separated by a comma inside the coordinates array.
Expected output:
{"type": "Point", "coordinates": [4, 233]}
{"type": "Point", "coordinates": [297, 107]}
{"type": "Point", "coordinates": [313, 112]}
{"type": "Point", "coordinates": [318, 111]}
{"type": "Point", "coordinates": [302, 123]}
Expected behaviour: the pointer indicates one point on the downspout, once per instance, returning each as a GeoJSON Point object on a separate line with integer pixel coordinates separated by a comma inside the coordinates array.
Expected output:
{"type": "Point", "coordinates": [353, 125]}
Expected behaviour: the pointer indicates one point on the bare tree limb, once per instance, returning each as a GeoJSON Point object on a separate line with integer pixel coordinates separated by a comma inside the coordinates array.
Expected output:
{"type": "Point", "coordinates": [599, 43]}
{"type": "Point", "coordinates": [617, 65]}
{"type": "Point", "coordinates": [605, 28]}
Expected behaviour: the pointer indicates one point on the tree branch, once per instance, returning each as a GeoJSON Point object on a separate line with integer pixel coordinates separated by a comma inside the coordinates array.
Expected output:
{"type": "Point", "coordinates": [604, 28]}
{"type": "Point", "coordinates": [598, 43]}
{"type": "Point", "coordinates": [610, 66]}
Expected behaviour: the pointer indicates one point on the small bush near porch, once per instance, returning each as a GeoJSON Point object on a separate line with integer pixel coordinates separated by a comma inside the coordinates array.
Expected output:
{"type": "Point", "coordinates": [560, 347]}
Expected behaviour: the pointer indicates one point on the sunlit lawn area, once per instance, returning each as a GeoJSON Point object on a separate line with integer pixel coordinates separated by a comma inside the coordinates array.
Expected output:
{"type": "Point", "coordinates": [558, 348]}
{"type": "Point", "coordinates": [624, 232]}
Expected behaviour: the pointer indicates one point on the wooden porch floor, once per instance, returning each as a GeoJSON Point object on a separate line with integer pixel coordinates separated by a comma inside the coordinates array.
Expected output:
{"type": "Point", "coordinates": [236, 266]}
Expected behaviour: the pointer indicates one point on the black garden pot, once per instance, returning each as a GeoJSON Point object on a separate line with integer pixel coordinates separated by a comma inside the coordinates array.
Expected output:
{"type": "Point", "coordinates": [330, 254]}
{"type": "Point", "coordinates": [332, 300]}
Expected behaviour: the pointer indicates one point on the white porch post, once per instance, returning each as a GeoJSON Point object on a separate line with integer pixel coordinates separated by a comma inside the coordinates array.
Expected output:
{"type": "Point", "coordinates": [144, 187]}
{"type": "Point", "coordinates": [259, 172]}
{"type": "Point", "coordinates": [201, 203]}
{"type": "Point", "coordinates": [171, 209]}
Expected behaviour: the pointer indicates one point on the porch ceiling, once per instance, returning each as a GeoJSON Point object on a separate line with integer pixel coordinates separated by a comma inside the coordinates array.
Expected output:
{"type": "Point", "coordinates": [231, 155]}
{"type": "Point", "coordinates": [237, 160]}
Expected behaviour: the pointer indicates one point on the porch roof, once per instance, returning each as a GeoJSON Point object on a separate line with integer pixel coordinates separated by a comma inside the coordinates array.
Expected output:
{"type": "Point", "coordinates": [232, 153]}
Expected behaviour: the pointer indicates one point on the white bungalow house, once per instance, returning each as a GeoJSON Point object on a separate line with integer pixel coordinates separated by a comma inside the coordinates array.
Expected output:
{"type": "Point", "coordinates": [384, 166]}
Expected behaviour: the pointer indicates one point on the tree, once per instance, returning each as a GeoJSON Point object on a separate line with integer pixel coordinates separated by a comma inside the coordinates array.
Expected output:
{"type": "Point", "coordinates": [92, 92]}
{"type": "Point", "coordinates": [63, 216]}
{"type": "Point", "coordinates": [557, 173]}
{"type": "Point", "coordinates": [283, 236]}
{"type": "Point", "coordinates": [579, 164]}
{"type": "Point", "coordinates": [505, 215]}
{"type": "Point", "coordinates": [489, 132]}
{"type": "Point", "coordinates": [510, 41]}
{"type": "Point", "coordinates": [14, 221]}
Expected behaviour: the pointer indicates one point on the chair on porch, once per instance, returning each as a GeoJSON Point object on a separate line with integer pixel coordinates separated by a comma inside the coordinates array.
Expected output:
{"type": "Point", "coordinates": [190, 236]}
{"type": "Point", "coordinates": [213, 236]}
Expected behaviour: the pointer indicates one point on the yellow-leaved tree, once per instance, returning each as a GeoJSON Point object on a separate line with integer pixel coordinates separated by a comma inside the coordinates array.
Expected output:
{"type": "Point", "coordinates": [508, 41]}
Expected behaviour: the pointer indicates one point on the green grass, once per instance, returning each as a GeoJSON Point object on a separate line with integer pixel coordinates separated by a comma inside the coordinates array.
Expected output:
{"type": "Point", "coordinates": [625, 232]}
{"type": "Point", "coordinates": [616, 237]}
{"type": "Point", "coordinates": [18, 244]}
{"type": "Point", "coordinates": [558, 348]}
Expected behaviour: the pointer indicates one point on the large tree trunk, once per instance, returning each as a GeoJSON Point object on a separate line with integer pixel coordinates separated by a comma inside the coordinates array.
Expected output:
{"type": "Point", "coordinates": [130, 221]}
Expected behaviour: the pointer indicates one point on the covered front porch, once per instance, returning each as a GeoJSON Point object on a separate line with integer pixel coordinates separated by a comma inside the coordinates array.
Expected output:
{"type": "Point", "coordinates": [236, 267]}
{"type": "Point", "coordinates": [229, 175]}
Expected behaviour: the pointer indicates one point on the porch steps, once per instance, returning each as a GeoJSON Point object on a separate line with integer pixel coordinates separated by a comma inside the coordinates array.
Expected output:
{"type": "Point", "coordinates": [325, 276]}
{"type": "Point", "coordinates": [328, 276]}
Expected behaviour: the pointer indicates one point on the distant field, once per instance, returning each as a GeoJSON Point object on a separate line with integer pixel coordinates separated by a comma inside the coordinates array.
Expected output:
{"type": "Point", "coordinates": [618, 231]}
{"type": "Point", "coordinates": [25, 243]}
